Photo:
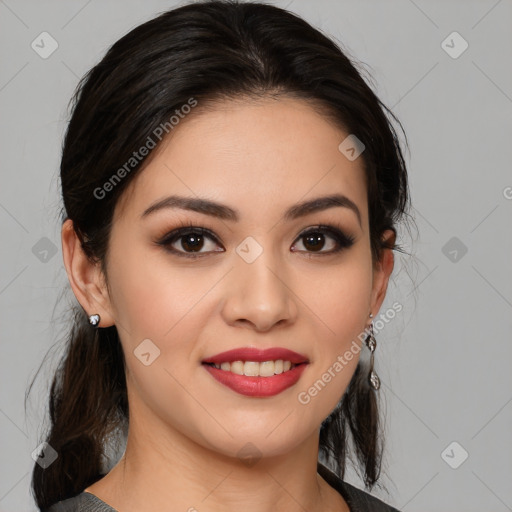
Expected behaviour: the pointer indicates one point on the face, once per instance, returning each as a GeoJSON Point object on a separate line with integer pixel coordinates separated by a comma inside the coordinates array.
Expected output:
{"type": "Point", "coordinates": [253, 271]}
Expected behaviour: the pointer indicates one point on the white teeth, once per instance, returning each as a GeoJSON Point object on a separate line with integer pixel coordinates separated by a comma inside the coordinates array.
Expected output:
{"type": "Point", "coordinates": [237, 367]}
{"type": "Point", "coordinates": [255, 369]}
{"type": "Point", "coordinates": [251, 369]}
{"type": "Point", "coordinates": [266, 369]}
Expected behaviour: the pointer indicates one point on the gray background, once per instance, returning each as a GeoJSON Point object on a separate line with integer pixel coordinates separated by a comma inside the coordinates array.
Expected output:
{"type": "Point", "coordinates": [444, 360]}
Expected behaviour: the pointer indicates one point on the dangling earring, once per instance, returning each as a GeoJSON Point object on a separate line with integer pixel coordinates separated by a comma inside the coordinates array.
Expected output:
{"type": "Point", "coordinates": [371, 343]}
{"type": "Point", "coordinates": [94, 320]}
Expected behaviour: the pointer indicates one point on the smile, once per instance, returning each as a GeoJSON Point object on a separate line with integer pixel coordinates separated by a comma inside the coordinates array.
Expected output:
{"type": "Point", "coordinates": [255, 368]}
{"type": "Point", "coordinates": [256, 385]}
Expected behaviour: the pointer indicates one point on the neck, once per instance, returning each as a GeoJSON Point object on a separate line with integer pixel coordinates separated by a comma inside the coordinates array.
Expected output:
{"type": "Point", "coordinates": [163, 469]}
{"type": "Point", "coordinates": [181, 475]}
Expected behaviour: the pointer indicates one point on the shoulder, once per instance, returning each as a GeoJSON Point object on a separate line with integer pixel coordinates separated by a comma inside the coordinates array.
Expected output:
{"type": "Point", "coordinates": [357, 500]}
{"type": "Point", "coordinates": [83, 502]}
{"type": "Point", "coordinates": [360, 501]}
{"type": "Point", "coordinates": [70, 505]}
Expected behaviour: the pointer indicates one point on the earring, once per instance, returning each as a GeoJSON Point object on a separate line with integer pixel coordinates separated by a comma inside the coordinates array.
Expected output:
{"type": "Point", "coordinates": [94, 320]}
{"type": "Point", "coordinates": [371, 343]}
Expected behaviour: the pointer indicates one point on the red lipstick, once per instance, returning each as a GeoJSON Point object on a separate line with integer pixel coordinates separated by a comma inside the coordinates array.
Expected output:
{"type": "Point", "coordinates": [258, 355]}
{"type": "Point", "coordinates": [257, 386]}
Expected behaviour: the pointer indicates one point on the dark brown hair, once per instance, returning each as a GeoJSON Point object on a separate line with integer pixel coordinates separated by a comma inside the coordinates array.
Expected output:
{"type": "Point", "coordinates": [206, 50]}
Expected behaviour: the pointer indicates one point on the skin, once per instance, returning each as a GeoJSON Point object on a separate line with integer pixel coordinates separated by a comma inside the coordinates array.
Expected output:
{"type": "Point", "coordinates": [186, 429]}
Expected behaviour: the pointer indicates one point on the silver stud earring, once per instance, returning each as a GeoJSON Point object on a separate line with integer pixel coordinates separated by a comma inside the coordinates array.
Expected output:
{"type": "Point", "coordinates": [94, 320]}
{"type": "Point", "coordinates": [371, 343]}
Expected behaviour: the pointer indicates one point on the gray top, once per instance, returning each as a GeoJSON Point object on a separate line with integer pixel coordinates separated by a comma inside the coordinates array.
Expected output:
{"type": "Point", "coordinates": [357, 500]}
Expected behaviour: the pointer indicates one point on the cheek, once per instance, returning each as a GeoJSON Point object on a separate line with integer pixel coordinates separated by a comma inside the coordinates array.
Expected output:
{"type": "Point", "coordinates": [340, 305]}
{"type": "Point", "coordinates": [151, 297]}
{"type": "Point", "coordinates": [156, 302]}
{"type": "Point", "coordinates": [338, 299]}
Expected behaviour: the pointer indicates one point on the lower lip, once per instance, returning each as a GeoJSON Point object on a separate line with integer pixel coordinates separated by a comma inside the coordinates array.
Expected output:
{"type": "Point", "coordinates": [257, 386]}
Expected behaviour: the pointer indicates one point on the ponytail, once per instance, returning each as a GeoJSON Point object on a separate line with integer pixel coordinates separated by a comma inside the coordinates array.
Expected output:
{"type": "Point", "coordinates": [88, 401]}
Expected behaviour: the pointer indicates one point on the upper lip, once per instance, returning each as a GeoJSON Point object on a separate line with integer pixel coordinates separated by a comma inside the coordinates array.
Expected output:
{"type": "Point", "coordinates": [257, 355]}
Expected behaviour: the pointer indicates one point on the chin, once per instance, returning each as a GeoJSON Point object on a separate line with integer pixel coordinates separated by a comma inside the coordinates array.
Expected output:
{"type": "Point", "coordinates": [249, 443]}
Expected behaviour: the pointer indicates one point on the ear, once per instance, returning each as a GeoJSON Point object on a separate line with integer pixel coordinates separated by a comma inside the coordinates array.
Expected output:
{"type": "Point", "coordinates": [382, 271]}
{"type": "Point", "coordinates": [85, 277]}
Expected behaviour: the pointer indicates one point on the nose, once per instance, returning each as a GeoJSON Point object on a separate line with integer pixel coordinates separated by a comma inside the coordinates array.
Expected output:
{"type": "Point", "coordinates": [258, 295]}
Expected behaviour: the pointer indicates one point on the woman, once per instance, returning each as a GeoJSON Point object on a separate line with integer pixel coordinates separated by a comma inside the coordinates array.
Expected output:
{"type": "Point", "coordinates": [231, 189]}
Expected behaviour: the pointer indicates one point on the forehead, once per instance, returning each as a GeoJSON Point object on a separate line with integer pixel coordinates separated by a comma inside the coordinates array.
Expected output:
{"type": "Point", "coordinates": [259, 156]}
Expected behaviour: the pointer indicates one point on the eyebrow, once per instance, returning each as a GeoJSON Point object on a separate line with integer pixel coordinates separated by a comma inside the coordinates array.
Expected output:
{"type": "Point", "coordinates": [221, 211]}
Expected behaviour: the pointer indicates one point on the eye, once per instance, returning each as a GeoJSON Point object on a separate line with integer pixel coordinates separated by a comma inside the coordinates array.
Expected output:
{"type": "Point", "coordinates": [315, 240]}
{"type": "Point", "coordinates": [188, 242]}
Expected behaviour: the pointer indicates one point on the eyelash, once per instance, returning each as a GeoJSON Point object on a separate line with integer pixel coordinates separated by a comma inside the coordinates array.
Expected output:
{"type": "Point", "coordinates": [343, 240]}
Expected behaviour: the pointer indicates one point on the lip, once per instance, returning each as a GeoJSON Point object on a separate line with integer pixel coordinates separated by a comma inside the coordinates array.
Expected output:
{"type": "Point", "coordinates": [257, 355]}
{"type": "Point", "coordinates": [257, 386]}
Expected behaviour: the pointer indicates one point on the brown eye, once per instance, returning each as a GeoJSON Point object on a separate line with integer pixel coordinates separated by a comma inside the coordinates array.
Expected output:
{"type": "Point", "coordinates": [315, 240]}
{"type": "Point", "coordinates": [192, 242]}
{"type": "Point", "coordinates": [189, 242]}
{"type": "Point", "coordinates": [196, 242]}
